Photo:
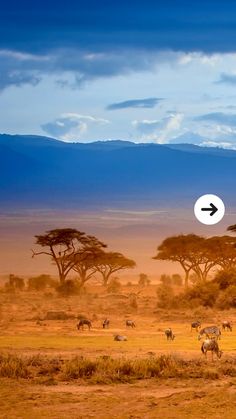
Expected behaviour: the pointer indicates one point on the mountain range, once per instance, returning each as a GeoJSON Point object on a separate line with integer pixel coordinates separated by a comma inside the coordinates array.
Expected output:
{"type": "Point", "coordinates": [42, 172]}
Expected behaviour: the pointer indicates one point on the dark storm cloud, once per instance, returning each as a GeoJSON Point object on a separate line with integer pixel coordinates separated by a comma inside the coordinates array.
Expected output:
{"type": "Point", "coordinates": [103, 38]}
{"type": "Point", "coordinates": [18, 68]}
{"type": "Point", "coordinates": [135, 103]}
{"type": "Point", "coordinates": [105, 25]}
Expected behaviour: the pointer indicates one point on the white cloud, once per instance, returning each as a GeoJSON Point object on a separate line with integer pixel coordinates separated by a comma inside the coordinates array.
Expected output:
{"type": "Point", "coordinates": [160, 131]}
{"type": "Point", "coordinates": [197, 57]}
{"type": "Point", "coordinates": [71, 126]}
{"type": "Point", "coordinates": [222, 144]}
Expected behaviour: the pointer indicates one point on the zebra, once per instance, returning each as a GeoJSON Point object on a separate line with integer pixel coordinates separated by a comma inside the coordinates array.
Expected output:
{"type": "Point", "coordinates": [227, 325]}
{"type": "Point", "coordinates": [130, 323]}
{"type": "Point", "coordinates": [210, 331]}
{"type": "Point", "coordinates": [195, 325]}
{"type": "Point", "coordinates": [106, 323]}
{"type": "Point", "coordinates": [211, 345]}
{"type": "Point", "coordinates": [169, 334]}
{"type": "Point", "coordinates": [83, 322]}
{"type": "Point", "coordinates": [120, 338]}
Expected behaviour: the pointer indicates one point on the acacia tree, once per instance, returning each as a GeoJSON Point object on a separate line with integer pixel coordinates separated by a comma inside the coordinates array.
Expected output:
{"type": "Point", "coordinates": [64, 245]}
{"type": "Point", "coordinates": [198, 254]}
{"type": "Point", "coordinates": [206, 256]}
{"type": "Point", "coordinates": [194, 253]}
{"type": "Point", "coordinates": [178, 249]}
{"type": "Point", "coordinates": [223, 251]}
{"type": "Point", "coordinates": [86, 264]}
{"type": "Point", "coordinates": [110, 262]}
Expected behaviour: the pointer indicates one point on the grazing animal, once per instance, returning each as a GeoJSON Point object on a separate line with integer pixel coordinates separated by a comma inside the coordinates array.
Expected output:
{"type": "Point", "coordinates": [226, 325]}
{"type": "Point", "coordinates": [120, 338]}
{"type": "Point", "coordinates": [169, 334]}
{"type": "Point", "coordinates": [209, 332]}
{"type": "Point", "coordinates": [130, 323]}
{"type": "Point", "coordinates": [106, 323]}
{"type": "Point", "coordinates": [195, 325]}
{"type": "Point", "coordinates": [212, 346]}
{"type": "Point", "coordinates": [84, 322]}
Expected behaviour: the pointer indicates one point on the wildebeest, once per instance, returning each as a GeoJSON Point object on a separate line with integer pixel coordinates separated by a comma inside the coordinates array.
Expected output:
{"type": "Point", "coordinates": [211, 345]}
{"type": "Point", "coordinates": [105, 323]}
{"type": "Point", "coordinates": [120, 338]}
{"type": "Point", "coordinates": [169, 334]}
{"type": "Point", "coordinates": [84, 322]}
{"type": "Point", "coordinates": [210, 331]}
{"type": "Point", "coordinates": [226, 325]}
{"type": "Point", "coordinates": [195, 325]}
{"type": "Point", "coordinates": [130, 323]}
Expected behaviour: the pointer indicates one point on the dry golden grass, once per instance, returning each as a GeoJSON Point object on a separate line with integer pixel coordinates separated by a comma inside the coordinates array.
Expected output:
{"type": "Point", "coordinates": [49, 370]}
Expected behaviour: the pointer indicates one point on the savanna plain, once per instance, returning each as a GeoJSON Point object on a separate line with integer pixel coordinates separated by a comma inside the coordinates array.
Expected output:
{"type": "Point", "coordinates": [50, 369]}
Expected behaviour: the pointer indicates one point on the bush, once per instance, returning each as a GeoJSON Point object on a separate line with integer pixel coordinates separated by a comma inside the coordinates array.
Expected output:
{"type": "Point", "coordinates": [165, 296]}
{"type": "Point", "coordinates": [204, 294]}
{"type": "Point", "coordinates": [174, 279]}
{"type": "Point", "coordinates": [227, 298]}
{"type": "Point", "coordinates": [225, 278]}
{"type": "Point", "coordinates": [14, 283]}
{"type": "Point", "coordinates": [166, 279]}
{"type": "Point", "coordinates": [177, 280]}
{"type": "Point", "coordinates": [39, 283]}
{"type": "Point", "coordinates": [143, 280]}
{"type": "Point", "coordinates": [70, 287]}
{"type": "Point", "coordinates": [114, 286]}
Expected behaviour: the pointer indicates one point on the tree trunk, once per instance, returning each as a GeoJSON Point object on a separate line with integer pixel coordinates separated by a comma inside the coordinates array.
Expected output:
{"type": "Point", "coordinates": [62, 278]}
{"type": "Point", "coordinates": [105, 278]}
{"type": "Point", "coordinates": [186, 279]}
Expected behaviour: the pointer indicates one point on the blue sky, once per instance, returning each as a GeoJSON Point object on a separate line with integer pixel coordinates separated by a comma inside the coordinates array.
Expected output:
{"type": "Point", "coordinates": [141, 71]}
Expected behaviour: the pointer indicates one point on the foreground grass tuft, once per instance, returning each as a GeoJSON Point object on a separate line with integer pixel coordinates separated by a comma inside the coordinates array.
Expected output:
{"type": "Point", "coordinates": [106, 370]}
{"type": "Point", "coordinates": [12, 366]}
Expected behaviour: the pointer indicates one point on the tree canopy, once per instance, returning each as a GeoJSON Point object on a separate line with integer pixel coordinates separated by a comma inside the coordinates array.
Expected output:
{"type": "Point", "coordinates": [198, 254]}
{"type": "Point", "coordinates": [65, 246]}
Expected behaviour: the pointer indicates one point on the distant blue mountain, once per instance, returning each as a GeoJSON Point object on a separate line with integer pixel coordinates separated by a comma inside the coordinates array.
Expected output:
{"type": "Point", "coordinates": [44, 172]}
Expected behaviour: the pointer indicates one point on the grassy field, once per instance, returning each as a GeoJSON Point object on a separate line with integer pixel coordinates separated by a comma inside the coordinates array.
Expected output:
{"type": "Point", "coordinates": [186, 391]}
{"type": "Point", "coordinates": [139, 342]}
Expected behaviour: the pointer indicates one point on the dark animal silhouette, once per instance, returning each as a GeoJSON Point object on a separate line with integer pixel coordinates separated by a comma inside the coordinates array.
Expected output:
{"type": "Point", "coordinates": [226, 325]}
{"type": "Point", "coordinates": [212, 346]}
{"type": "Point", "coordinates": [106, 323]}
{"type": "Point", "coordinates": [84, 322]}
{"type": "Point", "coordinates": [195, 325]}
{"type": "Point", "coordinates": [210, 331]}
{"type": "Point", "coordinates": [120, 338]}
{"type": "Point", "coordinates": [169, 334]}
{"type": "Point", "coordinates": [130, 323]}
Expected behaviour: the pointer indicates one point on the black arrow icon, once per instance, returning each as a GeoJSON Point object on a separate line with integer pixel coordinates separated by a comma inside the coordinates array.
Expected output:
{"type": "Point", "coordinates": [212, 208]}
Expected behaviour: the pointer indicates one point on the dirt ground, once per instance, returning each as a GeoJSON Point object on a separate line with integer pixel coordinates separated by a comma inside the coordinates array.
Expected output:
{"type": "Point", "coordinates": [145, 399]}
{"type": "Point", "coordinates": [24, 330]}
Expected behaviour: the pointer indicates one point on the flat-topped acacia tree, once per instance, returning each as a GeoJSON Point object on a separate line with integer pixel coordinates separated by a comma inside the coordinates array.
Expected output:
{"type": "Point", "coordinates": [109, 263]}
{"type": "Point", "coordinates": [198, 254]}
{"type": "Point", "coordinates": [64, 246]}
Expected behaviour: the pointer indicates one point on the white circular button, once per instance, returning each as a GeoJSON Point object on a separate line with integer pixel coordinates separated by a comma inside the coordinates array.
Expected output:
{"type": "Point", "coordinates": [209, 209]}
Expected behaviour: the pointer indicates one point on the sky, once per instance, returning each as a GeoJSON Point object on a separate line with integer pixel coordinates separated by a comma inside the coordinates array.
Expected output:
{"type": "Point", "coordinates": [153, 71]}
